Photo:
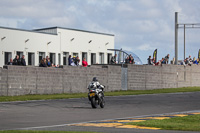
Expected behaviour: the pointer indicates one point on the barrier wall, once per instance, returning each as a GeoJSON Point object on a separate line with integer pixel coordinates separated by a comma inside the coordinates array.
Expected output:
{"type": "Point", "coordinates": [148, 77]}
{"type": "Point", "coordinates": [19, 80]}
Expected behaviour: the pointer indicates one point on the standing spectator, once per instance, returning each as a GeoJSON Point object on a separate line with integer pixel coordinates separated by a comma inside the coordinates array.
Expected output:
{"type": "Point", "coordinates": [77, 60]}
{"type": "Point", "coordinates": [11, 62]}
{"type": "Point", "coordinates": [127, 60]}
{"type": "Point", "coordinates": [113, 59]}
{"type": "Point", "coordinates": [23, 62]}
{"type": "Point", "coordinates": [132, 60]}
{"type": "Point", "coordinates": [150, 60]}
{"type": "Point", "coordinates": [47, 58]}
{"type": "Point", "coordinates": [48, 62]}
{"type": "Point", "coordinates": [70, 60]}
{"type": "Point", "coordinates": [84, 63]}
{"type": "Point", "coordinates": [16, 61]}
{"type": "Point", "coordinates": [167, 59]}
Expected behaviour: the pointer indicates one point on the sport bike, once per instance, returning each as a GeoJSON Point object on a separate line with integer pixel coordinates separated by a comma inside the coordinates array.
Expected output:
{"type": "Point", "coordinates": [96, 96]}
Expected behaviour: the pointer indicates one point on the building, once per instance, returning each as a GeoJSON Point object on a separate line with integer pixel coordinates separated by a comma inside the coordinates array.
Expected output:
{"type": "Point", "coordinates": [57, 43]}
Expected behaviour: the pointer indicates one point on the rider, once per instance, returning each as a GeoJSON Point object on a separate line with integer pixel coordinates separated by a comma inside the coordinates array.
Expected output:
{"type": "Point", "coordinates": [94, 83]}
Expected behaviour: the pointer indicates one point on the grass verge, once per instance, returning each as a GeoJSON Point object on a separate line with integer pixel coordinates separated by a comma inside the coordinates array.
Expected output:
{"type": "Point", "coordinates": [82, 95]}
{"type": "Point", "coordinates": [187, 123]}
{"type": "Point", "coordinates": [29, 131]}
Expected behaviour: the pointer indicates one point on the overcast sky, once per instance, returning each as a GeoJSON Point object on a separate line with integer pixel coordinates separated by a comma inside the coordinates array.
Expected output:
{"type": "Point", "coordinates": [139, 26]}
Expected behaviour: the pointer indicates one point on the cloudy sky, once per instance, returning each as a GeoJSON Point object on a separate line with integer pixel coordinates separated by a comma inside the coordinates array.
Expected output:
{"type": "Point", "coordinates": [139, 26]}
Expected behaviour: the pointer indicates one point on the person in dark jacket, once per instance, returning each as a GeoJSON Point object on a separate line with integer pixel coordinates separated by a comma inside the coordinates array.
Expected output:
{"type": "Point", "coordinates": [42, 63]}
{"type": "Point", "coordinates": [16, 61]}
{"type": "Point", "coordinates": [23, 62]}
{"type": "Point", "coordinates": [70, 60]}
{"type": "Point", "coordinates": [11, 62]}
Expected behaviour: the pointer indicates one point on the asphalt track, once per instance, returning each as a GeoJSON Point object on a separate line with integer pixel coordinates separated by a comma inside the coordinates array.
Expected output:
{"type": "Point", "coordinates": [61, 114]}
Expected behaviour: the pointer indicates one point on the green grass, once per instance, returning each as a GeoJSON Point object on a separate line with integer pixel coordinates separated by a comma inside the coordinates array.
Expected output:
{"type": "Point", "coordinates": [29, 131]}
{"type": "Point", "coordinates": [81, 95]}
{"type": "Point", "coordinates": [187, 123]}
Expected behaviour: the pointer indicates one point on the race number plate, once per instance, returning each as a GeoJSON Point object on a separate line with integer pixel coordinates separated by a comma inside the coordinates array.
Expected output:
{"type": "Point", "coordinates": [92, 94]}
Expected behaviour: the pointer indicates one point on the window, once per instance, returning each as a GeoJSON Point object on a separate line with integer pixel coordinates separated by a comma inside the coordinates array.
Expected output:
{"type": "Point", "coordinates": [109, 58]}
{"type": "Point", "coordinates": [31, 59]}
{"type": "Point", "coordinates": [75, 54]}
{"type": "Point", "coordinates": [84, 55]}
{"type": "Point", "coordinates": [93, 58]}
{"type": "Point", "coordinates": [65, 58]}
{"type": "Point", "coordinates": [101, 58]}
{"type": "Point", "coordinates": [20, 54]}
{"type": "Point", "coordinates": [53, 58]}
{"type": "Point", "coordinates": [41, 56]}
{"type": "Point", "coordinates": [7, 57]}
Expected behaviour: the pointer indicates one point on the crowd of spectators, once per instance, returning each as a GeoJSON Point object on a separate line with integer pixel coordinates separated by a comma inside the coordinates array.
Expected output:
{"type": "Point", "coordinates": [75, 61]}
{"type": "Point", "coordinates": [129, 59]}
{"type": "Point", "coordinates": [189, 61]}
{"type": "Point", "coordinates": [45, 62]}
{"type": "Point", "coordinates": [17, 61]}
{"type": "Point", "coordinates": [152, 61]}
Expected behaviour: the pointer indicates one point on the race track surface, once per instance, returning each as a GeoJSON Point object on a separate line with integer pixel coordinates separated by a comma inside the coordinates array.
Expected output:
{"type": "Point", "coordinates": [62, 114]}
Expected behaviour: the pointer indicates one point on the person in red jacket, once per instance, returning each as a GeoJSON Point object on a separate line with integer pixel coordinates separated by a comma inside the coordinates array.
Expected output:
{"type": "Point", "coordinates": [84, 63]}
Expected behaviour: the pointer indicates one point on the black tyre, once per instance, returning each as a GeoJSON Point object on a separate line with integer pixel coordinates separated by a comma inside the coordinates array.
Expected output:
{"type": "Point", "coordinates": [102, 104]}
{"type": "Point", "coordinates": [94, 103]}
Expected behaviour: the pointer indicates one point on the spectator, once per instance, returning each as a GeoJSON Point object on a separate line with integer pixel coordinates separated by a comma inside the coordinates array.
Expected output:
{"type": "Point", "coordinates": [127, 60]}
{"type": "Point", "coordinates": [57, 66]}
{"type": "Point", "coordinates": [77, 60]}
{"type": "Point", "coordinates": [48, 62]}
{"type": "Point", "coordinates": [163, 61]}
{"type": "Point", "coordinates": [23, 62]}
{"type": "Point", "coordinates": [196, 61]}
{"type": "Point", "coordinates": [150, 60]}
{"type": "Point", "coordinates": [131, 59]}
{"type": "Point", "coordinates": [42, 63]}
{"type": "Point", "coordinates": [47, 58]}
{"type": "Point", "coordinates": [84, 63]}
{"type": "Point", "coordinates": [113, 59]}
{"type": "Point", "coordinates": [16, 61]}
{"type": "Point", "coordinates": [183, 62]}
{"type": "Point", "coordinates": [190, 59]}
{"type": "Point", "coordinates": [70, 60]}
{"type": "Point", "coordinates": [167, 59]}
{"type": "Point", "coordinates": [11, 62]}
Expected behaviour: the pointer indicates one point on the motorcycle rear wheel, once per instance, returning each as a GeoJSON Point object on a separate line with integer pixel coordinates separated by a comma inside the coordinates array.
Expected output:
{"type": "Point", "coordinates": [94, 103]}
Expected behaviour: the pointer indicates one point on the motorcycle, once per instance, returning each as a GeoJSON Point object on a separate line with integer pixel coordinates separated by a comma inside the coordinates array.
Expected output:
{"type": "Point", "coordinates": [96, 96]}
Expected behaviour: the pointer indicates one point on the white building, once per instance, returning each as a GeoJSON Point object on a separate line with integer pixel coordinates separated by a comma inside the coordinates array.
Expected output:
{"type": "Point", "coordinates": [57, 43]}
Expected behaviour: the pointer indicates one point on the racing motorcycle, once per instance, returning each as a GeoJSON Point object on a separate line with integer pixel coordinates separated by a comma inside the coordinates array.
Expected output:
{"type": "Point", "coordinates": [96, 96]}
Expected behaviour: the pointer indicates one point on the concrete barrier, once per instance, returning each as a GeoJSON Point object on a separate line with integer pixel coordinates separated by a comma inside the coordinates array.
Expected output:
{"type": "Point", "coordinates": [19, 80]}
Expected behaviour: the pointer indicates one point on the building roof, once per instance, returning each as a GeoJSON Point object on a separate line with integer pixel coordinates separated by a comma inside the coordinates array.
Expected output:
{"type": "Point", "coordinates": [26, 30]}
{"type": "Point", "coordinates": [74, 30]}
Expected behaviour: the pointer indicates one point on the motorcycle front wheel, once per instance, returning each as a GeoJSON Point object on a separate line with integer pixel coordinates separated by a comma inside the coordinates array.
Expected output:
{"type": "Point", "coordinates": [94, 103]}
